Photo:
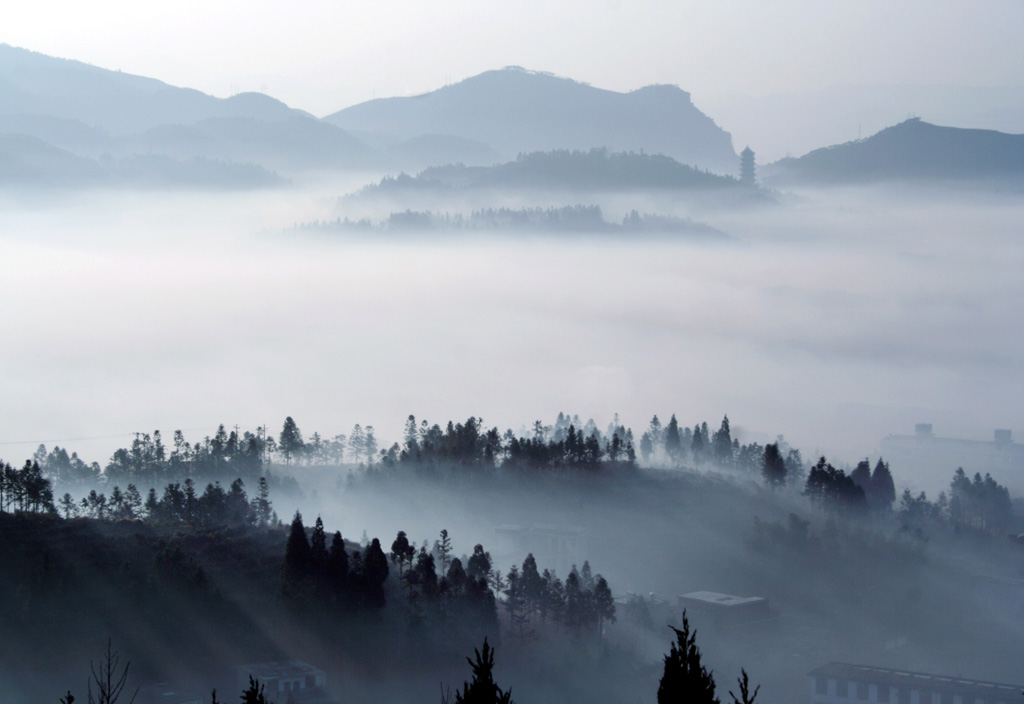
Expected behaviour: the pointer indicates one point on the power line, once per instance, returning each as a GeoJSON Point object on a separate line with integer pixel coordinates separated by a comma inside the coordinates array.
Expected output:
{"type": "Point", "coordinates": [94, 437]}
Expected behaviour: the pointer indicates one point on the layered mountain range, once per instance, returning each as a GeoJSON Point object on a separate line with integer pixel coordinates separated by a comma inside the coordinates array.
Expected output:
{"type": "Point", "coordinates": [65, 123]}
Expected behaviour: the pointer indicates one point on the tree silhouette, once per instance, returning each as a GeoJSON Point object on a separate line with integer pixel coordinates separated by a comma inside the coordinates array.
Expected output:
{"type": "Point", "coordinates": [298, 554]}
{"type": "Point", "coordinates": [255, 693]}
{"type": "Point", "coordinates": [604, 603]}
{"type": "Point", "coordinates": [483, 689]}
{"type": "Point", "coordinates": [673, 441]}
{"type": "Point", "coordinates": [444, 550]}
{"type": "Point", "coordinates": [773, 466]}
{"type": "Point", "coordinates": [883, 489]}
{"type": "Point", "coordinates": [291, 440]}
{"type": "Point", "coordinates": [745, 695]}
{"type": "Point", "coordinates": [686, 680]}
{"type": "Point", "coordinates": [110, 683]}
{"type": "Point", "coordinates": [375, 571]}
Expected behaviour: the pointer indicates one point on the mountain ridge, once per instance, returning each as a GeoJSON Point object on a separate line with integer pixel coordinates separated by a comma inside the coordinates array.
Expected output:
{"type": "Point", "coordinates": [518, 111]}
{"type": "Point", "coordinates": [909, 150]}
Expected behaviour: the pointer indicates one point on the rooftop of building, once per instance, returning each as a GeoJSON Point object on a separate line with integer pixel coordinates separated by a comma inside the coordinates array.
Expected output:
{"type": "Point", "coordinates": [903, 678]}
{"type": "Point", "coordinates": [718, 599]}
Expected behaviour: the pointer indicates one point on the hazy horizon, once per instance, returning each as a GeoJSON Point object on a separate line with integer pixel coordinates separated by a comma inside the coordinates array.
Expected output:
{"type": "Point", "coordinates": [836, 319]}
{"type": "Point", "coordinates": [723, 55]}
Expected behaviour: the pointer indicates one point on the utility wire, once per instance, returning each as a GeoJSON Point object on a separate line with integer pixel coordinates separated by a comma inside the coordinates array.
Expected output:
{"type": "Point", "coordinates": [94, 437]}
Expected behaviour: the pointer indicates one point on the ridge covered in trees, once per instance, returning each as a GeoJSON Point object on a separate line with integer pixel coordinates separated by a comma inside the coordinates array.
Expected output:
{"type": "Point", "coordinates": [570, 218]}
{"type": "Point", "coordinates": [593, 170]}
{"type": "Point", "coordinates": [568, 446]}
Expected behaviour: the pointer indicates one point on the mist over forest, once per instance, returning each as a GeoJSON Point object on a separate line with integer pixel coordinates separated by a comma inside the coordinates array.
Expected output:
{"type": "Point", "coordinates": [520, 359]}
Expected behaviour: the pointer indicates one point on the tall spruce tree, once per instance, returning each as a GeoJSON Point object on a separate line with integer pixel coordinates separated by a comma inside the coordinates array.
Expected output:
{"type": "Point", "coordinates": [673, 442]}
{"type": "Point", "coordinates": [686, 680]}
{"type": "Point", "coordinates": [298, 554]}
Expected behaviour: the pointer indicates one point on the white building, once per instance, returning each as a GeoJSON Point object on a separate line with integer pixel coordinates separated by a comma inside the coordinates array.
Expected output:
{"type": "Point", "coordinates": [720, 612]}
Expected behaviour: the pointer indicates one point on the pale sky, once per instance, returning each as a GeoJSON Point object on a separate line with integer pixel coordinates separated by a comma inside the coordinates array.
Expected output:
{"type": "Point", "coordinates": [324, 55]}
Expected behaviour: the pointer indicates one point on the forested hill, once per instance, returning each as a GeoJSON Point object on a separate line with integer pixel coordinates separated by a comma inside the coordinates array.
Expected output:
{"type": "Point", "coordinates": [513, 110]}
{"type": "Point", "coordinates": [596, 170]}
{"type": "Point", "coordinates": [911, 150]}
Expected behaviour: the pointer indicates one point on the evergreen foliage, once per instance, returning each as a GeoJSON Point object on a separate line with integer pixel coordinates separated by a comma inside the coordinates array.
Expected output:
{"type": "Point", "coordinates": [773, 467]}
{"type": "Point", "coordinates": [685, 679]}
{"type": "Point", "coordinates": [482, 689]}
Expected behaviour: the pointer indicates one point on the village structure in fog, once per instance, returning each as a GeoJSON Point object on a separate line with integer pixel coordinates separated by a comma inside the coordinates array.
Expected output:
{"type": "Point", "coordinates": [627, 353]}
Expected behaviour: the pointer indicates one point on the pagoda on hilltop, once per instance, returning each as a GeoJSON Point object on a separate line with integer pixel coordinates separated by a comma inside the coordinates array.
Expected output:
{"type": "Point", "coordinates": [747, 167]}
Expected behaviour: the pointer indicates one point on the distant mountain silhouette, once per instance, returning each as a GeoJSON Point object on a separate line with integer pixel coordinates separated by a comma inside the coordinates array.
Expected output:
{"type": "Point", "coordinates": [910, 150]}
{"type": "Point", "coordinates": [30, 163]}
{"type": "Point", "coordinates": [294, 143]}
{"type": "Point", "coordinates": [93, 112]}
{"type": "Point", "coordinates": [514, 111]}
{"type": "Point", "coordinates": [119, 103]}
{"type": "Point", "coordinates": [790, 124]}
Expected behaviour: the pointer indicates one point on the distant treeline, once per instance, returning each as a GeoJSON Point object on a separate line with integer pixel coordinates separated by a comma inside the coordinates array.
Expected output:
{"type": "Point", "coordinates": [569, 218]}
{"type": "Point", "coordinates": [468, 449]}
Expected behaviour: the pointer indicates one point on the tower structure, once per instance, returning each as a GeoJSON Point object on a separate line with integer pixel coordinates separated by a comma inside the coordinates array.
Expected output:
{"type": "Point", "coordinates": [747, 167]}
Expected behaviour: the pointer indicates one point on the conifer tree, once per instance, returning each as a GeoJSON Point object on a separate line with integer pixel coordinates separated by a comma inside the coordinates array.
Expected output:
{"type": "Point", "coordinates": [685, 679]}
{"type": "Point", "coordinates": [532, 583]}
{"type": "Point", "coordinates": [375, 571]}
{"type": "Point", "coordinates": [479, 565]}
{"type": "Point", "coordinates": [673, 442]}
{"type": "Point", "coordinates": [290, 444]}
{"type": "Point", "coordinates": [646, 447]}
{"type": "Point", "coordinates": [444, 550]}
{"type": "Point", "coordinates": [337, 566]}
{"type": "Point", "coordinates": [883, 489]}
{"type": "Point", "coordinates": [657, 434]}
{"type": "Point", "coordinates": [357, 442]}
{"type": "Point", "coordinates": [722, 443]}
{"type": "Point", "coordinates": [604, 603]}
{"type": "Point", "coordinates": [68, 507]}
{"type": "Point", "coordinates": [318, 547]}
{"type": "Point", "coordinates": [297, 557]}
{"type": "Point", "coordinates": [401, 552]}
{"type": "Point", "coordinates": [698, 446]}
{"type": "Point", "coordinates": [255, 694]}
{"type": "Point", "coordinates": [482, 689]}
{"type": "Point", "coordinates": [773, 467]}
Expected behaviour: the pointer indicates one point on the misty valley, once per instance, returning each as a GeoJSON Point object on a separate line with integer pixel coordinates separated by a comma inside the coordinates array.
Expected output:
{"type": "Point", "coordinates": [192, 583]}
{"type": "Point", "coordinates": [688, 427]}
